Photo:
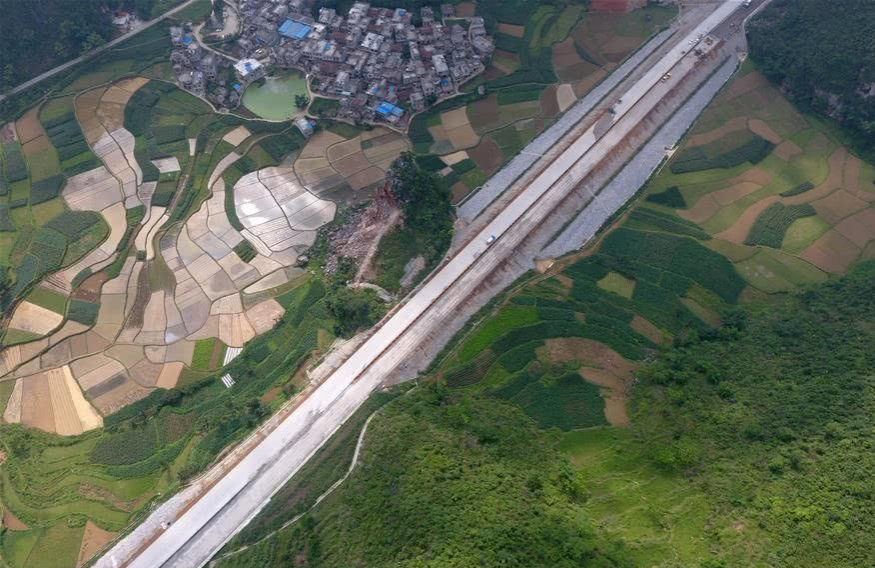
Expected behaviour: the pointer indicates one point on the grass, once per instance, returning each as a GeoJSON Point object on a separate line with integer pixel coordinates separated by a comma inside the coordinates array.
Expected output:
{"type": "Point", "coordinates": [507, 318]}
{"type": "Point", "coordinates": [394, 251]}
{"type": "Point", "coordinates": [16, 336]}
{"type": "Point", "coordinates": [618, 284]}
{"type": "Point", "coordinates": [203, 353]}
{"type": "Point", "coordinates": [654, 513]}
{"type": "Point", "coordinates": [64, 543]}
{"type": "Point", "coordinates": [48, 299]}
{"type": "Point", "coordinates": [774, 271]}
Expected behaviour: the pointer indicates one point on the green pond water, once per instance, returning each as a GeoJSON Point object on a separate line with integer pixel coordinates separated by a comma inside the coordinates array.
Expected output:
{"type": "Point", "coordinates": [275, 99]}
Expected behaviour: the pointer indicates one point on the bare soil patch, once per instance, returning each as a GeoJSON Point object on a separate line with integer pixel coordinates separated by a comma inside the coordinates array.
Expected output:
{"type": "Point", "coordinates": [486, 155]}
{"type": "Point", "coordinates": [832, 252]}
{"type": "Point", "coordinates": [565, 96]}
{"type": "Point", "coordinates": [741, 227]}
{"type": "Point", "coordinates": [786, 150]}
{"type": "Point", "coordinates": [732, 125]}
{"type": "Point", "coordinates": [90, 288]}
{"type": "Point", "coordinates": [549, 102]}
{"type": "Point", "coordinates": [749, 82]}
{"type": "Point", "coordinates": [483, 114]}
{"type": "Point", "coordinates": [735, 192]}
{"type": "Point", "coordinates": [466, 9]}
{"type": "Point", "coordinates": [614, 391]}
{"type": "Point", "coordinates": [28, 126]}
{"type": "Point", "coordinates": [36, 403]}
{"type": "Point", "coordinates": [648, 330]}
{"type": "Point", "coordinates": [512, 29]}
{"type": "Point", "coordinates": [462, 136]}
{"type": "Point", "coordinates": [763, 130]}
{"type": "Point", "coordinates": [568, 63]}
{"type": "Point", "coordinates": [703, 210]}
{"type": "Point", "coordinates": [832, 182]}
{"type": "Point", "coordinates": [588, 352]}
{"type": "Point", "coordinates": [859, 228]}
{"type": "Point", "coordinates": [93, 540]}
{"type": "Point", "coordinates": [838, 205]}
{"type": "Point", "coordinates": [583, 86]}
{"type": "Point", "coordinates": [13, 523]}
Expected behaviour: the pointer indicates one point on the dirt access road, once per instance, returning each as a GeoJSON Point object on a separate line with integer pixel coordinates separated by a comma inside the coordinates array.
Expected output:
{"type": "Point", "coordinates": [203, 521]}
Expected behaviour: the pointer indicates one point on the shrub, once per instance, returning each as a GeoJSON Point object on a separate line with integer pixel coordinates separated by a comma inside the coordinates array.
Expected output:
{"type": "Point", "coordinates": [6, 223]}
{"type": "Point", "coordinates": [15, 167]}
{"type": "Point", "coordinates": [648, 218]}
{"type": "Point", "coordinates": [801, 188]}
{"type": "Point", "coordinates": [472, 372]}
{"type": "Point", "coordinates": [279, 146]}
{"type": "Point", "coordinates": [464, 166]}
{"type": "Point", "coordinates": [519, 94]}
{"type": "Point", "coordinates": [49, 247]}
{"type": "Point", "coordinates": [72, 224]}
{"type": "Point", "coordinates": [46, 189]}
{"type": "Point", "coordinates": [245, 250]}
{"type": "Point", "coordinates": [170, 133]}
{"type": "Point", "coordinates": [126, 447]}
{"type": "Point", "coordinates": [671, 197]}
{"type": "Point", "coordinates": [772, 224]}
{"type": "Point", "coordinates": [695, 159]}
{"type": "Point", "coordinates": [430, 163]}
{"type": "Point", "coordinates": [83, 312]}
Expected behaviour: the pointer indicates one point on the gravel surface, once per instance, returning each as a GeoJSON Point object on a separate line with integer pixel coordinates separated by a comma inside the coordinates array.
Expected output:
{"type": "Point", "coordinates": [624, 186]}
{"type": "Point", "coordinates": [498, 183]}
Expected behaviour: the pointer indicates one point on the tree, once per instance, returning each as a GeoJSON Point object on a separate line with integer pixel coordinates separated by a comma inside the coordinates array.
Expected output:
{"type": "Point", "coordinates": [301, 101]}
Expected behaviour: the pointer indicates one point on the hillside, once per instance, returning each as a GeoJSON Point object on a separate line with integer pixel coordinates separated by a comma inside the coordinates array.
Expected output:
{"type": "Point", "coordinates": [823, 54]}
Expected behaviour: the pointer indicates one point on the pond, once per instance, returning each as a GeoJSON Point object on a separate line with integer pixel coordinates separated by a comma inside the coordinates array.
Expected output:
{"type": "Point", "coordinates": [275, 98]}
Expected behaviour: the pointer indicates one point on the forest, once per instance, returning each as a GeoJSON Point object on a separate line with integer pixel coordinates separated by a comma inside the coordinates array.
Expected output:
{"type": "Point", "coordinates": [772, 419]}
{"type": "Point", "coordinates": [823, 55]}
{"type": "Point", "coordinates": [50, 32]}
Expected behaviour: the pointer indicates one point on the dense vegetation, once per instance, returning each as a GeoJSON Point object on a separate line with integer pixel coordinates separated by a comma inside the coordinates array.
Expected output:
{"type": "Point", "coordinates": [446, 479]}
{"type": "Point", "coordinates": [773, 419]}
{"type": "Point", "coordinates": [823, 54]}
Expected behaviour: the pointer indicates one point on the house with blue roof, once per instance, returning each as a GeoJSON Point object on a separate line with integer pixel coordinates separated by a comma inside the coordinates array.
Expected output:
{"type": "Point", "coordinates": [295, 30]}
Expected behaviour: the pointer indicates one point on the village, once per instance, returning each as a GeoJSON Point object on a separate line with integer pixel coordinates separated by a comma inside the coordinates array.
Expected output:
{"type": "Point", "coordinates": [375, 62]}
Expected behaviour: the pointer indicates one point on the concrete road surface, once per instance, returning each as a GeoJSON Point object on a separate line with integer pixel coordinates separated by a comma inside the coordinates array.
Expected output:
{"type": "Point", "coordinates": [236, 497]}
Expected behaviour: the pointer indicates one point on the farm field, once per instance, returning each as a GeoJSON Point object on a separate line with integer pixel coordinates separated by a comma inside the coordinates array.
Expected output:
{"type": "Point", "coordinates": [537, 72]}
{"type": "Point", "coordinates": [672, 364]}
{"type": "Point", "coordinates": [141, 273]}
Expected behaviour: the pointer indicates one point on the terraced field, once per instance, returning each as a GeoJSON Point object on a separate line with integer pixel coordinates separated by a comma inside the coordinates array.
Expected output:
{"type": "Point", "coordinates": [539, 70]}
{"type": "Point", "coordinates": [151, 246]}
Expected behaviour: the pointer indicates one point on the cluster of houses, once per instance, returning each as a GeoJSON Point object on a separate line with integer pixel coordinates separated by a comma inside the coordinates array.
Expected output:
{"type": "Point", "coordinates": [374, 61]}
{"type": "Point", "coordinates": [203, 72]}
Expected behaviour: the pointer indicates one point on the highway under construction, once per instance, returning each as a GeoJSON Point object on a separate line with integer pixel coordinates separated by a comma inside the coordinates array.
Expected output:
{"type": "Point", "coordinates": [519, 219]}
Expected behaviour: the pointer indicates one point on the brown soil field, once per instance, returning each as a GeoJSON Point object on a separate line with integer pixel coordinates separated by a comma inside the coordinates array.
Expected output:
{"type": "Point", "coordinates": [740, 229]}
{"type": "Point", "coordinates": [351, 164]}
{"type": "Point", "coordinates": [66, 416]}
{"type": "Point", "coordinates": [565, 96]}
{"type": "Point", "coordinates": [343, 149]}
{"type": "Point", "coordinates": [318, 143]}
{"type": "Point", "coordinates": [618, 47]}
{"type": "Point", "coordinates": [122, 394]}
{"type": "Point", "coordinates": [732, 125]}
{"type": "Point", "coordinates": [454, 118]}
{"type": "Point", "coordinates": [786, 150]}
{"type": "Point", "coordinates": [36, 319]}
{"type": "Point", "coordinates": [466, 9]}
{"type": "Point", "coordinates": [512, 30]}
{"type": "Point", "coordinates": [237, 136]}
{"type": "Point", "coordinates": [832, 182]}
{"type": "Point", "coordinates": [13, 523]}
{"type": "Point", "coordinates": [93, 540]}
{"type": "Point", "coordinates": [486, 155]}
{"type": "Point", "coordinates": [549, 102]}
{"type": "Point", "coordinates": [762, 129]}
{"type": "Point", "coordinates": [483, 114]}
{"type": "Point", "coordinates": [588, 352]}
{"type": "Point", "coordinates": [36, 403]}
{"type": "Point", "coordinates": [462, 136]}
{"type": "Point", "coordinates": [458, 191]}
{"type": "Point", "coordinates": [852, 182]}
{"type": "Point", "coordinates": [141, 300]}
{"type": "Point", "coordinates": [859, 228]}
{"type": "Point", "coordinates": [838, 205]}
{"type": "Point", "coordinates": [819, 144]}
{"type": "Point", "coordinates": [365, 178]}
{"type": "Point", "coordinates": [36, 145]}
{"type": "Point", "coordinates": [619, 6]}
{"type": "Point", "coordinates": [832, 252]}
{"type": "Point", "coordinates": [648, 330]}
{"type": "Point", "coordinates": [735, 192]}
{"type": "Point", "coordinates": [568, 63]}
{"type": "Point", "coordinates": [131, 84]}
{"type": "Point", "coordinates": [28, 126]}
{"type": "Point", "coordinates": [7, 133]}
{"type": "Point", "coordinates": [743, 85]}
{"type": "Point", "coordinates": [169, 375]}
{"type": "Point", "coordinates": [614, 391]}
{"type": "Point", "coordinates": [703, 209]}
